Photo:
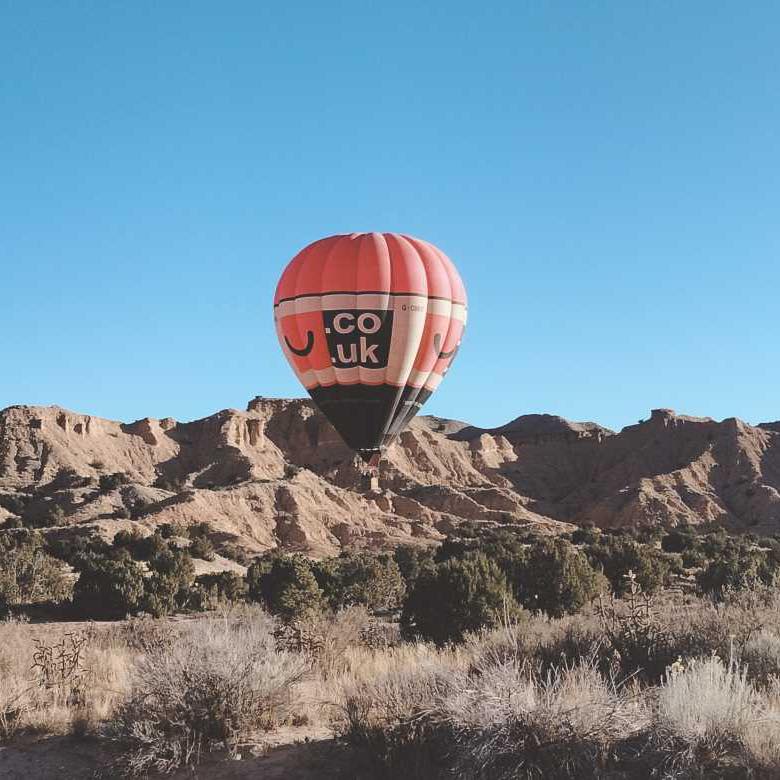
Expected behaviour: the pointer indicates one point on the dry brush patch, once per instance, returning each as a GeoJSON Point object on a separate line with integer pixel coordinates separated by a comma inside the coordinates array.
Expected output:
{"type": "Point", "coordinates": [221, 682]}
{"type": "Point", "coordinates": [58, 680]}
{"type": "Point", "coordinates": [510, 721]}
{"type": "Point", "coordinates": [636, 693]}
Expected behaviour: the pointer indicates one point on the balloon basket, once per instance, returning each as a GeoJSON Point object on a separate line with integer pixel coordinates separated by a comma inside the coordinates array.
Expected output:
{"type": "Point", "coordinates": [368, 465]}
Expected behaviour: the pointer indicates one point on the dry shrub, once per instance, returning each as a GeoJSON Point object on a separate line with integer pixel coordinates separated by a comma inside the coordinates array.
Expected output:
{"type": "Point", "coordinates": [544, 643]}
{"type": "Point", "coordinates": [705, 710]}
{"type": "Point", "coordinates": [395, 719]}
{"type": "Point", "coordinates": [328, 642]}
{"type": "Point", "coordinates": [538, 698]}
{"type": "Point", "coordinates": [324, 636]}
{"type": "Point", "coordinates": [761, 655]}
{"type": "Point", "coordinates": [641, 646]}
{"type": "Point", "coordinates": [332, 635]}
{"type": "Point", "coordinates": [508, 721]}
{"type": "Point", "coordinates": [110, 664]}
{"type": "Point", "coordinates": [15, 688]}
{"type": "Point", "coordinates": [490, 718]}
{"type": "Point", "coordinates": [705, 627]}
{"type": "Point", "coordinates": [222, 681]}
{"type": "Point", "coordinates": [146, 634]}
{"type": "Point", "coordinates": [762, 743]}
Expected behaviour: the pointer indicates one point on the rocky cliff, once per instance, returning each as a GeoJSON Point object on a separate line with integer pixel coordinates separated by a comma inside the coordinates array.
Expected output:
{"type": "Point", "coordinates": [278, 474]}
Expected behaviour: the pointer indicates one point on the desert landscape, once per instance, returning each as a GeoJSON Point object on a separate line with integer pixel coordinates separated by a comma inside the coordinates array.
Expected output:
{"type": "Point", "coordinates": [484, 264]}
{"type": "Point", "coordinates": [230, 597]}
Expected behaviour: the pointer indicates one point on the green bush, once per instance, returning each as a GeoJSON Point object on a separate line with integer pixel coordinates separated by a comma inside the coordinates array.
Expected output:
{"type": "Point", "coordinates": [373, 581]}
{"type": "Point", "coordinates": [616, 557]}
{"type": "Point", "coordinates": [211, 590]}
{"type": "Point", "coordinates": [256, 572]}
{"type": "Point", "coordinates": [199, 530]}
{"type": "Point", "coordinates": [67, 479]}
{"type": "Point", "coordinates": [127, 538]}
{"type": "Point", "coordinates": [556, 578]}
{"type": "Point", "coordinates": [141, 547]}
{"type": "Point", "coordinates": [680, 540]}
{"type": "Point", "coordinates": [694, 559]}
{"type": "Point", "coordinates": [169, 530]}
{"type": "Point", "coordinates": [455, 597]}
{"type": "Point", "coordinates": [713, 544]}
{"type": "Point", "coordinates": [233, 552]}
{"type": "Point", "coordinates": [14, 503]}
{"type": "Point", "coordinates": [649, 534]}
{"type": "Point", "coordinates": [586, 535]}
{"type": "Point", "coordinates": [169, 587]}
{"type": "Point", "coordinates": [29, 574]}
{"type": "Point", "coordinates": [54, 516]}
{"type": "Point", "coordinates": [149, 547]}
{"type": "Point", "coordinates": [13, 522]}
{"type": "Point", "coordinates": [71, 549]}
{"type": "Point", "coordinates": [201, 547]}
{"type": "Point", "coordinates": [507, 549]}
{"type": "Point", "coordinates": [412, 561]}
{"type": "Point", "coordinates": [737, 568]}
{"type": "Point", "coordinates": [285, 584]}
{"type": "Point", "coordinates": [108, 587]}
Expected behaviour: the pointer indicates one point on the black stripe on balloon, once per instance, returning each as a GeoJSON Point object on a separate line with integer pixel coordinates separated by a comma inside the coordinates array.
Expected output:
{"type": "Point", "coordinates": [370, 292]}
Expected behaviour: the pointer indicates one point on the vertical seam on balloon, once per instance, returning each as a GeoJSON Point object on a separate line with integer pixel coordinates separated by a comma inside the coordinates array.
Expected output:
{"type": "Point", "coordinates": [452, 273]}
{"type": "Point", "coordinates": [325, 262]}
{"type": "Point", "coordinates": [297, 313]}
{"type": "Point", "coordinates": [296, 270]}
{"type": "Point", "coordinates": [359, 239]}
{"type": "Point", "coordinates": [442, 266]}
{"type": "Point", "coordinates": [388, 420]}
{"type": "Point", "coordinates": [386, 425]}
{"type": "Point", "coordinates": [307, 358]}
{"type": "Point", "coordinates": [383, 240]}
{"type": "Point", "coordinates": [390, 242]}
{"type": "Point", "coordinates": [403, 382]}
{"type": "Point", "coordinates": [415, 394]}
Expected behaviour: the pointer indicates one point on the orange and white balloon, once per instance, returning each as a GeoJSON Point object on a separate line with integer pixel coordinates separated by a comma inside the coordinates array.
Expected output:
{"type": "Point", "coordinates": [370, 323]}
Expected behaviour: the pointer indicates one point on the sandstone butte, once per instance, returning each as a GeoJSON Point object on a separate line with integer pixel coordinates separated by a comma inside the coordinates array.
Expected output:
{"type": "Point", "coordinates": [278, 475]}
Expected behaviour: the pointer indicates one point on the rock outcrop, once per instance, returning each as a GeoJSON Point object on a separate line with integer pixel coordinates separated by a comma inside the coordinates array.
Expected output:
{"type": "Point", "coordinates": [279, 475]}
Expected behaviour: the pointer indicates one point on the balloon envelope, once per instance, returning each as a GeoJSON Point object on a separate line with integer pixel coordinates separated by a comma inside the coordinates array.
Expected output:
{"type": "Point", "coordinates": [370, 323]}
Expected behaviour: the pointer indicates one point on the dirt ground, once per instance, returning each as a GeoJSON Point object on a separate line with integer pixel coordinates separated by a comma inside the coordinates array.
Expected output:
{"type": "Point", "coordinates": [289, 754]}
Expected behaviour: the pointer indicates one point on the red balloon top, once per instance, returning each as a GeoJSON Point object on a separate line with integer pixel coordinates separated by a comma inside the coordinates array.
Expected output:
{"type": "Point", "coordinates": [371, 262]}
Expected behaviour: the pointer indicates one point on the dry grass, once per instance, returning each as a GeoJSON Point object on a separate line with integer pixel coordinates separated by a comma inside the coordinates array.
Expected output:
{"type": "Point", "coordinates": [59, 700]}
{"type": "Point", "coordinates": [762, 743]}
{"type": "Point", "coordinates": [577, 697]}
{"type": "Point", "coordinates": [394, 718]}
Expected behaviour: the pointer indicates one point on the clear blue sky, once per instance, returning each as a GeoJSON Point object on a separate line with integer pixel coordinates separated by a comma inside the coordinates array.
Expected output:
{"type": "Point", "coordinates": [606, 175]}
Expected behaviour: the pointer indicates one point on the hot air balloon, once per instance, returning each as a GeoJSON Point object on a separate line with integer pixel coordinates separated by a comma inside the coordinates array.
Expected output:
{"type": "Point", "coordinates": [370, 323]}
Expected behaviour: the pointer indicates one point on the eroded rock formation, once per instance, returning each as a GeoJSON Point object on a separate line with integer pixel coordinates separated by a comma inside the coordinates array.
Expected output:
{"type": "Point", "coordinates": [278, 475]}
